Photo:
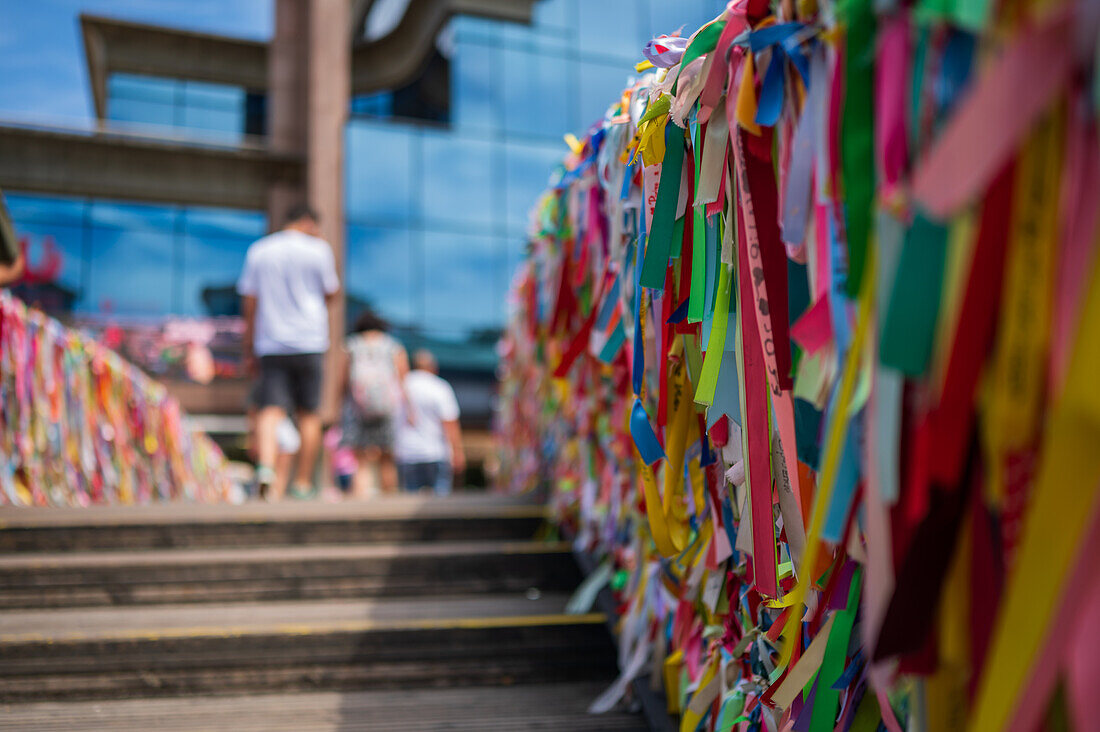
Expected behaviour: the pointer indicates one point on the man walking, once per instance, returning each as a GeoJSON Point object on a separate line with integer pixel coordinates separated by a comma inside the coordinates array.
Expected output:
{"type": "Point", "coordinates": [429, 446]}
{"type": "Point", "coordinates": [288, 280]}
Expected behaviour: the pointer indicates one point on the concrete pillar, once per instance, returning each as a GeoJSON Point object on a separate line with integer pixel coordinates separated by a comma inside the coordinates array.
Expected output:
{"type": "Point", "coordinates": [329, 101]}
{"type": "Point", "coordinates": [287, 89]}
{"type": "Point", "coordinates": [309, 67]}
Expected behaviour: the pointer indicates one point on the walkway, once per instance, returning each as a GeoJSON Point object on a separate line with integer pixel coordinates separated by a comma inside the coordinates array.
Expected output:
{"type": "Point", "coordinates": [406, 613]}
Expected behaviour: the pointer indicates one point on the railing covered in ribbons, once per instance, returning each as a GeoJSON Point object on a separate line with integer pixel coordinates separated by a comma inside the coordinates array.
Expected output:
{"type": "Point", "coordinates": [808, 346]}
{"type": "Point", "coordinates": [79, 425]}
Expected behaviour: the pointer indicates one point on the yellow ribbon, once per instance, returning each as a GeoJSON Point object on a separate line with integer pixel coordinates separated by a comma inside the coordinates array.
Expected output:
{"type": "Point", "coordinates": [746, 97]}
{"type": "Point", "coordinates": [1017, 379]}
{"type": "Point", "coordinates": [1063, 498]}
{"type": "Point", "coordinates": [654, 510]}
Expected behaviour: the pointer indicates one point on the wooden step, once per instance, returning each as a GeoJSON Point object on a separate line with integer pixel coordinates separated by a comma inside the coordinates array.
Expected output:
{"type": "Point", "coordinates": [405, 518]}
{"type": "Point", "coordinates": [547, 707]}
{"type": "Point", "coordinates": [173, 650]}
{"type": "Point", "coordinates": [70, 579]}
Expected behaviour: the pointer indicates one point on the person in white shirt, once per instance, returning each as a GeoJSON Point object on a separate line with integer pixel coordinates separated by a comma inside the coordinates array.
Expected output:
{"type": "Point", "coordinates": [429, 447]}
{"type": "Point", "coordinates": [287, 284]}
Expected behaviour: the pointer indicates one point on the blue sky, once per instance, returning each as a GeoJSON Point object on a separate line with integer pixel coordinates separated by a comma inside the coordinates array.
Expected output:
{"type": "Point", "coordinates": [42, 69]}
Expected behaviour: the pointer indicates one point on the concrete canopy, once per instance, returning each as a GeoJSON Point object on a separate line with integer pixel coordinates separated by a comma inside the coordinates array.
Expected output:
{"type": "Point", "coordinates": [63, 162]}
{"type": "Point", "coordinates": [115, 46]}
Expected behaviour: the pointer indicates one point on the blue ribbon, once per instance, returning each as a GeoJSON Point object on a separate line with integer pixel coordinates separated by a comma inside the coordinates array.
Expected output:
{"type": "Point", "coordinates": [679, 314]}
{"type": "Point", "coordinates": [607, 307]}
{"type": "Point", "coordinates": [786, 40]}
{"type": "Point", "coordinates": [644, 437]}
{"type": "Point", "coordinates": [954, 76]}
{"type": "Point", "coordinates": [708, 456]}
{"type": "Point", "coordinates": [849, 674]}
{"type": "Point", "coordinates": [628, 175]}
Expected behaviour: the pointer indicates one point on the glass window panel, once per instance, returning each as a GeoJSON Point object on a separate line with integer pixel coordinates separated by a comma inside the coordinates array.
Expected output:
{"type": "Point", "coordinates": [610, 27]}
{"type": "Point", "coordinates": [558, 14]}
{"type": "Point", "coordinates": [379, 175]}
{"type": "Point", "coordinates": [537, 92]}
{"type": "Point", "coordinates": [542, 39]}
{"type": "Point", "coordinates": [458, 179]}
{"type": "Point", "coordinates": [68, 244]}
{"type": "Point", "coordinates": [601, 84]}
{"type": "Point", "coordinates": [26, 208]}
{"type": "Point", "coordinates": [217, 124]}
{"type": "Point", "coordinates": [475, 97]}
{"type": "Point", "coordinates": [379, 273]}
{"type": "Point", "coordinates": [528, 174]}
{"type": "Point", "coordinates": [211, 267]}
{"type": "Point", "coordinates": [224, 222]}
{"type": "Point", "coordinates": [141, 112]}
{"type": "Point", "coordinates": [215, 96]}
{"type": "Point", "coordinates": [463, 281]}
{"type": "Point", "coordinates": [470, 28]}
{"type": "Point", "coordinates": [131, 272]}
{"type": "Point", "coordinates": [144, 88]}
{"type": "Point", "coordinates": [133, 216]}
{"type": "Point", "coordinates": [373, 105]}
{"type": "Point", "coordinates": [667, 17]}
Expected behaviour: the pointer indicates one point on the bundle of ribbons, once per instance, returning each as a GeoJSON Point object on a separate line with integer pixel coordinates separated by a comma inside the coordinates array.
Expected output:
{"type": "Point", "coordinates": [80, 425]}
{"type": "Point", "coordinates": [807, 346]}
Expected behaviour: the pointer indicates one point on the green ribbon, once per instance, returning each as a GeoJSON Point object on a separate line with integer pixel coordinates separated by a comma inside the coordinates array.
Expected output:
{"type": "Point", "coordinates": [832, 665]}
{"type": "Point", "coordinates": [857, 136]}
{"type": "Point", "coordinates": [676, 247]}
{"type": "Point", "coordinates": [909, 328]}
{"type": "Point", "coordinates": [971, 15]}
{"type": "Point", "coordinates": [708, 378]}
{"type": "Point", "coordinates": [704, 42]}
{"type": "Point", "coordinates": [698, 243]}
{"type": "Point", "coordinates": [659, 241]}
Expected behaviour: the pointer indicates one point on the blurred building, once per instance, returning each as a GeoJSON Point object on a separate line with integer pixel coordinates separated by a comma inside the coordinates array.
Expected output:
{"type": "Point", "coordinates": [453, 116]}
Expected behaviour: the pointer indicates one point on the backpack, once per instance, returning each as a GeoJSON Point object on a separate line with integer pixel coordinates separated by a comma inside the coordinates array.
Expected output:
{"type": "Point", "coordinates": [373, 378]}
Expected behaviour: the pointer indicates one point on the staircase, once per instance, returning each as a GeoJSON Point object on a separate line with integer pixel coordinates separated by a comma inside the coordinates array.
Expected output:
{"type": "Point", "coordinates": [400, 614]}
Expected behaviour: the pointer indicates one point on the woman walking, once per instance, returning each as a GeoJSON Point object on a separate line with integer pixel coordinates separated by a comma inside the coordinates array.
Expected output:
{"type": "Point", "coordinates": [373, 394]}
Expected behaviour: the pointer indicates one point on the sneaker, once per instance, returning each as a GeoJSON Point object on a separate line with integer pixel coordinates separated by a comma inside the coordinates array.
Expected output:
{"type": "Point", "coordinates": [303, 492]}
{"type": "Point", "coordinates": [265, 476]}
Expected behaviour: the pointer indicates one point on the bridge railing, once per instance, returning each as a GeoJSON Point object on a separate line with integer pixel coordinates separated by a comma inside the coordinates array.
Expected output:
{"type": "Point", "coordinates": [81, 425]}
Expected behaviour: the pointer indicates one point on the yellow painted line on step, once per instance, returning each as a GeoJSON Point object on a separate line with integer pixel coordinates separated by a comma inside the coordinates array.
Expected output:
{"type": "Point", "coordinates": [250, 519]}
{"type": "Point", "coordinates": [506, 621]}
{"type": "Point", "coordinates": [536, 547]}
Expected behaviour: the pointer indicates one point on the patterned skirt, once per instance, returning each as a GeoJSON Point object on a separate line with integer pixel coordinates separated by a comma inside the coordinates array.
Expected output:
{"type": "Point", "coordinates": [361, 433]}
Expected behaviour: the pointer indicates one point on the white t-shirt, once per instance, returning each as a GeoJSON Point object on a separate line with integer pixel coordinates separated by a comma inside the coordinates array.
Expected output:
{"type": "Point", "coordinates": [433, 402]}
{"type": "Point", "coordinates": [289, 273]}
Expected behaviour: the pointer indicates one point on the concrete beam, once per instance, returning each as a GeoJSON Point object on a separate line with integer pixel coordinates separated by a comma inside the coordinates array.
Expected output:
{"type": "Point", "coordinates": [112, 46]}
{"type": "Point", "coordinates": [360, 9]}
{"type": "Point", "coordinates": [386, 63]}
{"type": "Point", "coordinates": [107, 165]}
{"type": "Point", "coordinates": [398, 57]}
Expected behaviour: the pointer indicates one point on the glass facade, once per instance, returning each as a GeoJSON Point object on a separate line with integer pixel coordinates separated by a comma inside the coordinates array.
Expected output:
{"type": "Point", "coordinates": [437, 214]}
{"type": "Point", "coordinates": [195, 109]}
{"type": "Point", "coordinates": [134, 260]}
{"type": "Point", "coordinates": [440, 176]}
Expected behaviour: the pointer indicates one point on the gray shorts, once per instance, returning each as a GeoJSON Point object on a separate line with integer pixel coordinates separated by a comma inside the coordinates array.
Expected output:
{"type": "Point", "coordinates": [291, 381]}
